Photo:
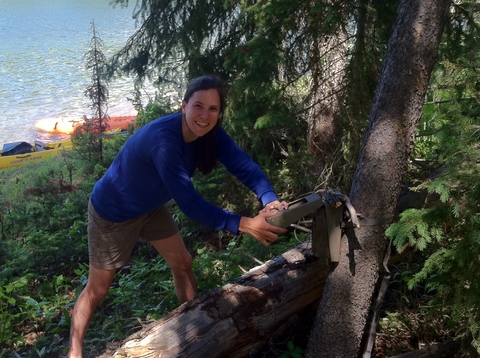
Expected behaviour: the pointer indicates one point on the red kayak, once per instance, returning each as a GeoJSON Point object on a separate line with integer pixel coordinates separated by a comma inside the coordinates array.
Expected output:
{"type": "Point", "coordinates": [67, 125]}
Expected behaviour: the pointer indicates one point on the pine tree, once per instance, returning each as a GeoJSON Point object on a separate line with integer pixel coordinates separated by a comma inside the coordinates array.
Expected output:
{"type": "Point", "coordinates": [93, 127]}
{"type": "Point", "coordinates": [447, 233]}
{"type": "Point", "coordinates": [285, 71]}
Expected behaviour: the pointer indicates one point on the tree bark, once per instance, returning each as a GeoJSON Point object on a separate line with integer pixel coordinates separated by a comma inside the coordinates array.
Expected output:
{"type": "Point", "coordinates": [324, 120]}
{"type": "Point", "coordinates": [327, 57]}
{"type": "Point", "coordinates": [234, 319]}
{"type": "Point", "coordinates": [411, 54]}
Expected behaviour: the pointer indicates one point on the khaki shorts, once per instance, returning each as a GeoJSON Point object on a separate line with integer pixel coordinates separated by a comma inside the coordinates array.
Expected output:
{"type": "Point", "coordinates": [110, 244]}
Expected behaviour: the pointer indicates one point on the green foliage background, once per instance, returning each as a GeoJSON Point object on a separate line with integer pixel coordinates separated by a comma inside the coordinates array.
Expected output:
{"type": "Point", "coordinates": [263, 51]}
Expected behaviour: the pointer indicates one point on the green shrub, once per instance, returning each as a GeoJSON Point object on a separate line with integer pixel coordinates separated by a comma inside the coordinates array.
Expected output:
{"type": "Point", "coordinates": [10, 313]}
{"type": "Point", "coordinates": [448, 233]}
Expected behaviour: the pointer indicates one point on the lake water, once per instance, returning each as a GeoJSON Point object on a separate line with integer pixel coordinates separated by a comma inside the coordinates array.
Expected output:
{"type": "Point", "coordinates": [42, 65]}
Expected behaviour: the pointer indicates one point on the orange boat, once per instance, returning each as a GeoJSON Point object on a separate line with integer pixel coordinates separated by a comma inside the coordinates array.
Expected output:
{"type": "Point", "coordinates": [66, 125]}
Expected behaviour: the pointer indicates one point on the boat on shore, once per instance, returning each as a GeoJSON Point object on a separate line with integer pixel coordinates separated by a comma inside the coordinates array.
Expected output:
{"type": "Point", "coordinates": [19, 153]}
{"type": "Point", "coordinates": [68, 125]}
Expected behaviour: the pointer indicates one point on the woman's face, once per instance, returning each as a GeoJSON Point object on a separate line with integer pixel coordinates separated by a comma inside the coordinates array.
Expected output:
{"type": "Point", "coordinates": [200, 114]}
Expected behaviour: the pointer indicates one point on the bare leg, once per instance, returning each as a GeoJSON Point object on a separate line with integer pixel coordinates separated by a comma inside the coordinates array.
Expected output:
{"type": "Point", "coordinates": [99, 282]}
{"type": "Point", "coordinates": [176, 255]}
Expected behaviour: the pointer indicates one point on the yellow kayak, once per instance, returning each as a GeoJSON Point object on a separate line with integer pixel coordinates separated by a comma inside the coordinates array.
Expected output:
{"type": "Point", "coordinates": [32, 153]}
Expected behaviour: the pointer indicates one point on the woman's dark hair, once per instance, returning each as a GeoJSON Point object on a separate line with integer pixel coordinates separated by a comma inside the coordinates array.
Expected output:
{"type": "Point", "coordinates": [207, 146]}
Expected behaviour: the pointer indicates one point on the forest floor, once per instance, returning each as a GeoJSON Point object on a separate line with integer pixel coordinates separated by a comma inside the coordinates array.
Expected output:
{"type": "Point", "coordinates": [408, 322]}
{"type": "Point", "coordinates": [405, 328]}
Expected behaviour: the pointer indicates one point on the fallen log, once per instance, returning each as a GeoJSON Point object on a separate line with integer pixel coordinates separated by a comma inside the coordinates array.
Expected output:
{"type": "Point", "coordinates": [442, 350]}
{"type": "Point", "coordinates": [232, 320]}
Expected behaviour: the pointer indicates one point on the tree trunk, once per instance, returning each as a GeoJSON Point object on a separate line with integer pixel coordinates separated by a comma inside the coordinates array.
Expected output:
{"type": "Point", "coordinates": [359, 91]}
{"type": "Point", "coordinates": [344, 308]}
{"type": "Point", "coordinates": [324, 120]}
{"type": "Point", "coordinates": [232, 320]}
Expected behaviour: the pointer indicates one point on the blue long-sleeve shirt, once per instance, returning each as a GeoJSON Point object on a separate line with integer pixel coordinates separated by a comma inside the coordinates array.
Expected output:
{"type": "Point", "coordinates": [156, 165]}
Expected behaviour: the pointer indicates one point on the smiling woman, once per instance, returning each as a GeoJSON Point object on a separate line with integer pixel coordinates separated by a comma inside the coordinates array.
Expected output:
{"type": "Point", "coordinates": [155, 166]}
{"type": "Point", "coordinates": [207, 144]}
{"type": "Point", "coordinates": [200, 114]}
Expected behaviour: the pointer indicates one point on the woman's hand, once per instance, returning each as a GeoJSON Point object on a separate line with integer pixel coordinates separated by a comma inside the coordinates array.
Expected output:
{"type": "Point", "coordinates": [259, 228]}
{"type": "Point", "coordinates": [275, 206]}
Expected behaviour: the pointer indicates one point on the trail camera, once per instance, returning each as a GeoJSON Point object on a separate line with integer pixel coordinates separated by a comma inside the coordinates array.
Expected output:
{"type": "Point", "coordinates": [328, 215]}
